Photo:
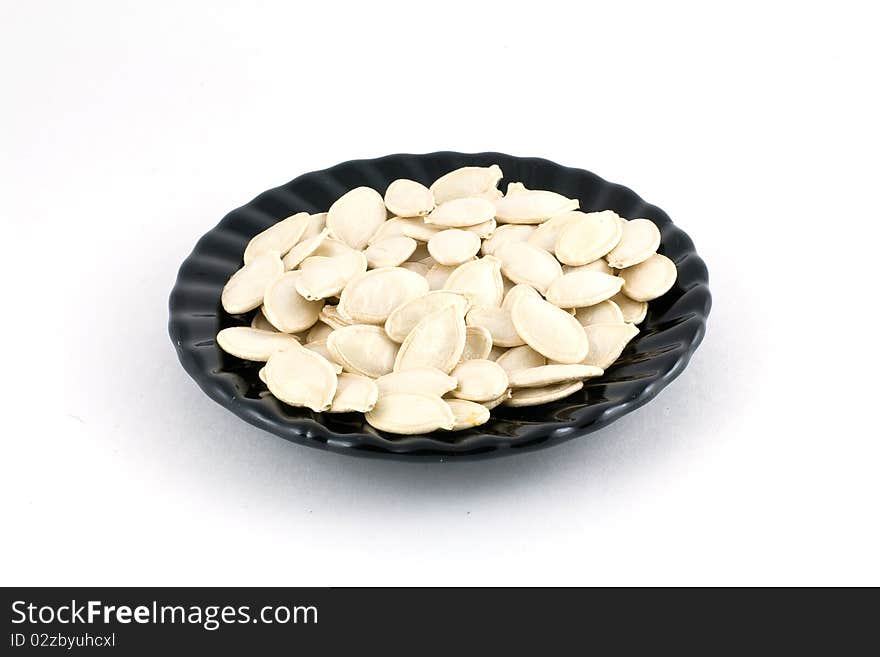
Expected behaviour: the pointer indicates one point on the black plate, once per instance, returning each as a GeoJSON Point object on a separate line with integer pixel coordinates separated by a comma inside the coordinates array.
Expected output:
{"type": "Point", "coordinates": [673, 329]}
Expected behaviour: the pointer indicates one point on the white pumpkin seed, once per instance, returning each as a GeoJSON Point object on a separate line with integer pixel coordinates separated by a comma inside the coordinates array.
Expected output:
{"type": "Point", "coordinates": [633, 311]}
{"type": "Point", "coordinates": [484, 230]}
{"type": "Point", "coordinates": [547, 233]}
{"type": "Point", "coordinates": [363, 349]}
{"type": "Point", "coordinates": [356, 215]}
{"type": "Point", "coordinates": [505, 234]}
{"type": "Point", "coordinates": [354, 393]}
{"type": "Point", "coordinates": [479, 280]}
{"type": "Point", "coordinates": [526, 263]}
{"type": "Point", "coordinates": [607, 341]}
{"type": "Point", "coordinates": [520, 358]}
{"type": "Point", "coordinates": [650, 279]}
{"type": "Point", "coordinates": [408, 198]}
{"type": "Point", "coordinates": [324, 277]}
{"type": "Point", "coordinates": [280, 237]}
{"type": "Point", "coordinates": [453, 246]}
{"type": "Point", "coordinates": [405, 317]}
{"type": "Point", "coordinates": [320, 348]}
{"type": "Point", "coordinates": [462, 212]}
{"type": "Point", "coordinates": [438, 275]}
{"type": "Point", "coordinates": [467, 414]}
{"type": "Point", "coordinates": [331, 248]}
{"type": "Point", "coordinates": [410, 413]}
{"type": "Point", "coordinates": [479, 380]}
{"type": "Point", "coordinates": [466, 181]}
{"type": "Point", "coordinates": [259, 321]}
{"type": "Point", "coordinates": [532, 206]}
{"type": "Point", "coordinates": [477, 343]}
{"type": "Point", "coordinates": [262, 374]}
{"type": "Point", "coordinates": [639, 240]}
{"type": "Point", "coordinates": [414, 227]}
{"type": "Point", "coordinates": [549, 330]}
{"type": "Point", "coordinates": [515, 188]}
{"type": "Point", "coordinates": [605, 312]}
{"type": "Point", "coordinates": [516, 292]}
{"type": "Point", "coordinates": [286, 309]}
{"type": "Point", "coordinates": [244, 290]}
{"type": "Point", "coordinates": [500, 399]}
{"type": "Point", "coordinates": [319, 331]}
{"type": "Point", "coordinates": [582, 288]}
{"type": "Point", "coordinates": [436, 341]}
{"type": "Point", "coordinates": [371, 297]}
{"type": "Point", "coordinates": [420, 268]}
{"type": "Point", "coordinates": [420, 253]}
{"type": "Point", "coordinates": [331, 317]}
{"type": "Point", "coordinates": [390, 252]}
{"type": "Point", "coordinates": [537, 396]}
{"type": "Point", "coordinates": [588, 237]}
{"type": "Point", "coordinates": [546, 375]}
{"type": "Point", "coordinates": [303, 250]}
{"type": "Point", "coordinates": [253, 344]}
{"type": "Point", "coordinates": [300, 377]}
{"type": "Point", "coordinates": [497, 322]}
{"type": "Point", "coordinates": [496, 353]}
{"type": "Point", "coordinates": [317, 223]}
{"type": "Point", "coordinates": [423, 380]}
{"type": "Point", "coordinates": [599, 265]}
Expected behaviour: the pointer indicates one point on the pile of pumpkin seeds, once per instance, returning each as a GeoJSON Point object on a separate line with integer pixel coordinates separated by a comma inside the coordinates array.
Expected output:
{"type": "Point", "coordinates": [428, 307]}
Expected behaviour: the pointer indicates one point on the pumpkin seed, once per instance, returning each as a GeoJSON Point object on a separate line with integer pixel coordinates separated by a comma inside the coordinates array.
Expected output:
{"type": "Point", "coordinates": [324, 277]}
{"type": "Point", "coordinates": [479, 280]}
{"type": "Point", "coordinates": [466, 181]}
{"type": "Point", "coordinates": [405, 317]}
{"type": "Point", "coordinates": [453, 246]}
{"type": "Point", "coordinates": [582, 288]}
{"type": "Point", "coordinates": [496, 353]}
{"type": "Point", "coordinates": [467, 414]}
{"type": "Point", "coordinates": [497, 322]}
{"type": "Point", "coordinates": [633, 311]}
{"type": "Point", "coordinates": [418, 267]}
{"type": "Point", "coordinates": [505, 234]}
{"type": "Point", "coordinates": [532, 206]}
{"type": "Point", "coordinates": [371, 297]}
{"type": "Point", "coordinates": [320, 348]}
{"type": "Point", "coordinates": [599, 265]}
{"type": "Point", "coordinates": [280, 237]}
{"type": "Point", "coordinates": [483, 230]}
{"type": "Point", "coordinates": [317, 223]}
{"type": "Point", "coordinates": [549, 330]}
{"type": "Point", "coordinates": [546, 375]}
{"type": "Point", "coordinates": [286, 309]}
{"type": "Point", "coordinates": [479, 380]}
{"type": "Point", "coordinates": [517, 292]}
{"type": "Point", "coordinates": [390, 252]}
{"type": "Point", "coordinates": [354, 393]}
{"type": "Point", "coordinates": [546, 234]}
{"type": "Point", "coordinates": [515, 188]}
{"type": "Point", "coordinates": [500, 399]}
{"type": "Point", "coordinates": [604, 312]}
{"type": "Point", "coordinates": [639, 240]}
{"type": "Point", "coordinates": [356, 215]}
{"type": "Point", "coordinates": [537, 396]}
{"type": "Point", "coordinates": [410, 413]}
{"type": "Point", "coordinates": [462, 212]}
{"type": "Point", "coordinates": [300, 377]}
{"type": "Point", "coordinates": [649, 279]}
{"type": "Point", "coordinates": [363, 349]}
{"type": "Point", "coordinates": [303, 250]}
{"type": "Point", "coordinates": [331, 317]}
{"type": "Point", "coordinates": [319, 331]}
{"type": "Point", "coordinates": [607, 341]}
{"type": "Point", "coordinates": [244, 290]}
{"type": "Point", "coordinates": [520, 358]}
{"type": "Point", "coordinates": [408, 198]}
{"type": "Point", "coordinates": [414, 227]}
{"type": "Point", "coordinates": [436, 341]}
{"type": "Point", "coordinates": [424, 380]}
{"type": "Point", "coordinates": [477, 343]}
{"type": "Point", "coordinates": [526, 263]}
{"type": "Point", "coordinates": [420, 253]}
{"type": "Point", "coordinates": [331, 248]}
{"type": "Point", "coordinates": [260, 322]}
{"type": "Point", "coordinates": [262, 374]}
{"type": "Point", "coordinates": [588, 237]}
{"type": "Point", "coordinates": [438, 275]}
{"type": "Point", "coordinates": [253, 344]}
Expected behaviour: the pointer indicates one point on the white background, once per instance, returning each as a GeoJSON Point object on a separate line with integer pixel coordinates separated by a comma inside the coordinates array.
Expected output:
{"type": "Point", "coordinates": [129, 129]}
